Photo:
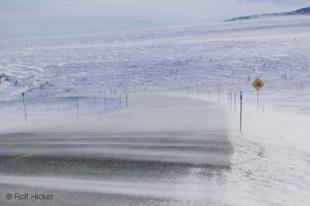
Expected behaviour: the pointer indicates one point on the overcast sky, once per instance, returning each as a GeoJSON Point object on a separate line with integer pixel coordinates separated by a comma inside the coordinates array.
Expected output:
{"type": "Point", "coordinates": [40, 18]}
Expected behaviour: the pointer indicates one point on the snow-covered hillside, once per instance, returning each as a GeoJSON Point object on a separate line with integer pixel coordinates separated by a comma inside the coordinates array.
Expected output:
{"type": "Point", "coordinates": [303, 11]}
{"type": "Point", "coordinates": [225, 55]}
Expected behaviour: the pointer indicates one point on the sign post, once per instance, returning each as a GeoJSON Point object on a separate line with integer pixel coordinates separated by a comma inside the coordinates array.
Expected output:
{"type": "Point", "coordinates": [258, 85]}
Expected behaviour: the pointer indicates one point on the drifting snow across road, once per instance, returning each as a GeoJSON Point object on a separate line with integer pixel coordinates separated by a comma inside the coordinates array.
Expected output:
{"type": "Point", "coordinates": [162, 150]}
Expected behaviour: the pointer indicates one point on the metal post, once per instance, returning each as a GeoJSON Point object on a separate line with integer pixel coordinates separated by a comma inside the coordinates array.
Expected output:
{"type": "Point", "coordinates": [111, 91]}
{"type": "Point", "coordinates": [105, 104]}
{"type": "Point", "coordinates": [77, 107]}
{"type": "Point", "coordinates": [241, 99]}
{"type": "Point", "coordinates": [25, 111]}
{"type": "Point", "coordinates": [231, 101]}
{"type": "Point", "coordinates": [120, 101]}
{"type": "Point", "coordinates": [197, 91]}
{"type": "Point", "coordinates": [235, 102]}
{"type": "Point", "coordinates": [126, 98]}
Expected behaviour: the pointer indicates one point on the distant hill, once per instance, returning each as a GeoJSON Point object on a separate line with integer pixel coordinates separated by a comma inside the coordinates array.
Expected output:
{"type": "Point", "coordinates": [303, 11]}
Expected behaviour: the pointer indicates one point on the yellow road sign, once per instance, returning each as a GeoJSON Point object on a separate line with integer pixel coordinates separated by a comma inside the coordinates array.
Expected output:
{"type": "Point", "coordinates": [258, 84]}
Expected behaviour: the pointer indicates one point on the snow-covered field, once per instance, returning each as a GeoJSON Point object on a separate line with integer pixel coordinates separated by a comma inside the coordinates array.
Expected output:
{"type": "Point", "coordinates": [224, 55]}
{"type": "Point", "coordinates": [271, 162]}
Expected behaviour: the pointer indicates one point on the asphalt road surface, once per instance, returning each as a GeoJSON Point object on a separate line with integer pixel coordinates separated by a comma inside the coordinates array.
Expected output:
{"type": "Point", "coordinates": [160, 151]}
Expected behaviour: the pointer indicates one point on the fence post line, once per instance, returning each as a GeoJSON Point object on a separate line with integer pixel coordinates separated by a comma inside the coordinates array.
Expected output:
{"type": "Point", "coordinates": [241, 105]}
{"type": "Point", "coordinates": [25, 111]}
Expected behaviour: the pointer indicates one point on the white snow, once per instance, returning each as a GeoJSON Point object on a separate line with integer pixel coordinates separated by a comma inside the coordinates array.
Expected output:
{"type": "Point", "coordinates": [270, 165]}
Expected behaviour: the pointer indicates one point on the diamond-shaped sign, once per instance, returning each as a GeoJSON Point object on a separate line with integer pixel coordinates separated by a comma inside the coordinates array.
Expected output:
{"type": "Point", "coordinates": [258, 84]}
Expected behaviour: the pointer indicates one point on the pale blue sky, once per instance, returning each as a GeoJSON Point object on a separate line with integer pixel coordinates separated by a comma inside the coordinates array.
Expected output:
{"type": "Point", "coordinates": [40, 18]}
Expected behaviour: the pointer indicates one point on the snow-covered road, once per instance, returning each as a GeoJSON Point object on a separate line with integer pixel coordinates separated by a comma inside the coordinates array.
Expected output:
{"type": "Point", "coordinates": [162, 150]}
